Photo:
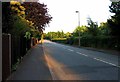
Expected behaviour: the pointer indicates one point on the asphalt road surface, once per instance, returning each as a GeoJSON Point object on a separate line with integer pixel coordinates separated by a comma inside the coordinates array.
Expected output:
{"type": "Point", "coordinates": [70, 63]}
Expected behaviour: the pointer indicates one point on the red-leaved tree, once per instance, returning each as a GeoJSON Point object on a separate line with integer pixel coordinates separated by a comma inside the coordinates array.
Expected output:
{"type": "Point", "coordinates": [38, 14]}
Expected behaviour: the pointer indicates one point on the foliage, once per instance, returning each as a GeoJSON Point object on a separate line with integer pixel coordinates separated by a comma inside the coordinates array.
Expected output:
{"type": "Point", "coordinates": [104, 29]}
{"type": "Point", "coordinates": [81, 29]}
{"type": "Point", "coordinates": [67, 35]}
{"type": "Point", "coordinates": [27, 35]}
{"type": "Point", "coordinates": [38, 14]}
{"type": "Point", "coordinates": [60, 40]}
{"type": "Point", "coordinates": [93, 35]}
{"type": "Point", "coordinates": [58, 34]}
{"type": "Point", "coordinates": [20, 26]}
{"type": "Point", "coordinates": [92, 27]}
{"type": "Point", "coordinates": [17, 8]}
{"type": "Point", "coordinates": [15, 22]}
{"type": "Point", "coordinates": [114, 22]}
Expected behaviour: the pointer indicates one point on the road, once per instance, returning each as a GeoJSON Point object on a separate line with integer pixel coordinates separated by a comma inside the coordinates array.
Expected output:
{"type": "Point", "coordinates": [71, 63]}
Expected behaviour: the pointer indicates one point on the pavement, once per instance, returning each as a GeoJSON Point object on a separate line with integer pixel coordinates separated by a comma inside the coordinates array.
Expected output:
{"type": "Point", "coordinates": [33, 66]}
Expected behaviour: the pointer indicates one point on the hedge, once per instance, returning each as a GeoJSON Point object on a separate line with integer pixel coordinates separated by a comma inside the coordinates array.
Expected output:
{"type": "Point", "coordinates": [97, 42]}
{"type": "Point", "coordinates": [60, 40]}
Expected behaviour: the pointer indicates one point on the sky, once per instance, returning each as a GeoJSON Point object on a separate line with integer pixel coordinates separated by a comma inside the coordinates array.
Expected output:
{"type": "Point", "coordinates": [65, 18]}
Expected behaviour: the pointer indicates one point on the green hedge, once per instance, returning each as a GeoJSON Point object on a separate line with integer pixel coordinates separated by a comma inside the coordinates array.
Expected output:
{"type": "Point", "coordinates": [97, 42]}
{"type": "Point", "coordinates": [60, 40]}
{"type": "Point", "coordinates": [106, 42]}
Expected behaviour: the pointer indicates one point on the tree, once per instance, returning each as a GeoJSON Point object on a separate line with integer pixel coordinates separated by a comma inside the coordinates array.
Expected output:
{"type": "Point", "coordinates": [82, 29]}
{"type": "Point", "coordinates": [38, 14]}
{"type": "Point", "coordinates": [104, 29]}
{"type": "Point", "coordinates": [114, 22]}
{"type": "Point", "coordinates": [92, 27]}
{"type": "Point", "coordinates": [68, 35]}
{"type": "Point", "coordinates": [62, 34]}
{"type": "Point", "coordinates": [58, 34]}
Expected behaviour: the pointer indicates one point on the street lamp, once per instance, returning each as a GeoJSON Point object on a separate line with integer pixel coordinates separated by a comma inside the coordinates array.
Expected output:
{"type": "Point", "coordinates": [78, 25]}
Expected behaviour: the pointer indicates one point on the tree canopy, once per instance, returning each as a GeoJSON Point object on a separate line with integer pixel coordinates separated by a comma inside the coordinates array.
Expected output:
{"type": "Point", "coordinates": [114, 22]}
{"type": "Point", "coordinates": [92, 27]}
{"type": "Point", "coordinates": [38, 14]}
{"type": "Point", "coordinates": [21, 18]}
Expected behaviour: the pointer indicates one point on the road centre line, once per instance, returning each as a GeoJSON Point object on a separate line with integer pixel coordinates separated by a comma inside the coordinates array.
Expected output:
{"type": "Point", "coordinates": [106, 62]}
{"type": "Point", "coordinates": [84, 54]}
{"type": "Point", "coordinates": [70, 50]}
{"type": "Point", "coordinates": [81, 54]}
{"type": "Point", "coordinates": [78, 53]}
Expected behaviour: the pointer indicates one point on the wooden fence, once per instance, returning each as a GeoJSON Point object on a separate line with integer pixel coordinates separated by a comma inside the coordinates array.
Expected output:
{"type": "Point", "coordinates": [13, 48]}
{"type": "Point", "coordinates": [6, 56]}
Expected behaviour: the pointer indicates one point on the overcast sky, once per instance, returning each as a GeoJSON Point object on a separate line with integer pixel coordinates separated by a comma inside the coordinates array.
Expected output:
{"type": "Point", "coordinates": [65, 18]}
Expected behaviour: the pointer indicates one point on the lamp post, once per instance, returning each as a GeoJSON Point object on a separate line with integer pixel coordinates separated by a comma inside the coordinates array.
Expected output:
{"type": "Point", "coordinates": [78, 25]}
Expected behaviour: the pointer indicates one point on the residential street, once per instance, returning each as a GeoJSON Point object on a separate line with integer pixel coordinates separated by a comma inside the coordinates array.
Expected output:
{"type": "Point", "coordinates": [53, 61]}
{"type": "Point", "coordinates": [70, 63]}
{"type": "Point", "coordinates": [75, 40]}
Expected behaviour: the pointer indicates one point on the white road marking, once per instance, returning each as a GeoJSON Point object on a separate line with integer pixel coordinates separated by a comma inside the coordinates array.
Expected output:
{"type": "Point", "coordinates": [78, 53]}
{"type": "Point", "coordinates": [81, 54]}
{"type": "Point", "coordinates": [106, 62]}
{"type": "Point", "coordinates": [100, 60]}
{"type": "Point", "coordinates": [70, 50]}
{"type": "Point", "coordinates": [52, 74]}
{"type": "Point", "coordinates": [84, 55]}
{"type": "Point", "coordinates": [50, 70]}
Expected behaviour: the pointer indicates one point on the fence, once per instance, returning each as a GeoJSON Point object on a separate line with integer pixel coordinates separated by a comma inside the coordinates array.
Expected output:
{"type": "Point", "coordinates": [6, 56]}
{"type": "Point", "coordinates": [13, 48]}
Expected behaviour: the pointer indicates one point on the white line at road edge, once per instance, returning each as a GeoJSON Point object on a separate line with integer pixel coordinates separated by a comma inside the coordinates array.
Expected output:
{"type": "Point", "coordinates": [51, 72]}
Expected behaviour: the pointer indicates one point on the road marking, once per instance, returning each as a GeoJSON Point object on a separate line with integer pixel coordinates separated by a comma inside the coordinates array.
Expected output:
{"type": "Point", "coordinates": [50, 70]}
{"type": "Point", "coordinates": [100, 60]}
{"type": "Point", "coordinates": [70, 50]}
{"type": "Point", "coordinates": [106, 62]}
{"type": "Point", "coordinates": [78, 53]}
{"type": "Point", "coordinates": [81, 54]}
{"type": "Point", "coordinates": [52, 74]}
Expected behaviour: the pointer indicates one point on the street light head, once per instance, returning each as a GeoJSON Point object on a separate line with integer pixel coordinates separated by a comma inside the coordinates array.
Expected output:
{"type": "Point", "coordinates": [77, 11]}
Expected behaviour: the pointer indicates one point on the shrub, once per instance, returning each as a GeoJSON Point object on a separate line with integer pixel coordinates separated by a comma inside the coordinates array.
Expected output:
{"type": "Point", "coordinates": [60, 40]}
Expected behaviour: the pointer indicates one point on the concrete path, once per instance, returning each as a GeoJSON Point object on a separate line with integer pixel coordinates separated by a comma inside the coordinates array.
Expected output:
{"type": "Point", "coordinates": [33, 66]}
